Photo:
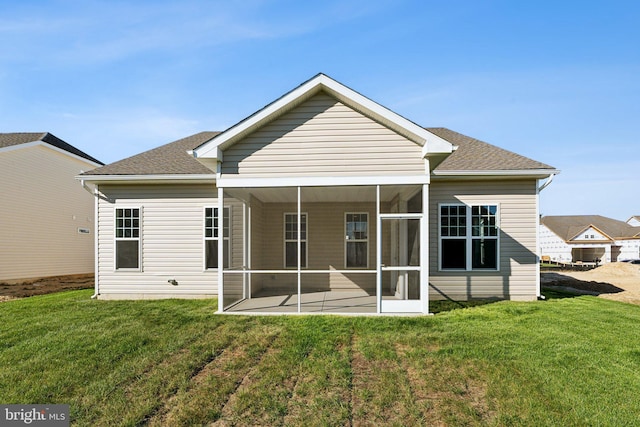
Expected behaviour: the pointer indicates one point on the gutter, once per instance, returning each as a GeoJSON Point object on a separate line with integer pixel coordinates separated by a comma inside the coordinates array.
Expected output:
{"type": "Point", "coordinates": [547, 182]}
{"type": "Point", "coordinates": [96, 195]}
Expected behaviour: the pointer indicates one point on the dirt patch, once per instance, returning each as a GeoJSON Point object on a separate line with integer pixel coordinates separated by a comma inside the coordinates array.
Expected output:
{"type": "Point", "coordinates": [44, 285]}
{"type": "Point", "coordinates": [618, 281]}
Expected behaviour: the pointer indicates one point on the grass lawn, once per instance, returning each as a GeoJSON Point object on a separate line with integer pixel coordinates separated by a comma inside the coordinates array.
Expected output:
{"type": "Point", "coordinates": [565, 361]}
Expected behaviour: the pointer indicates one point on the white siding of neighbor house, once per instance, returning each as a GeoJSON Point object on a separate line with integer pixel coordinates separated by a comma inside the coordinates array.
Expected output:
{"type": "Point", "coordinates": [590, 234]}
{"type": "Point", "coordinates": [552, 246]}
{"type": "Point", "coordinates": [629, 249]}
{"type": "Point", "coordinates": [172, 236]}
{"type": "Point", "coordinates": [42, 207]}
{"type": "Point", "coordinates": [323, 137]}
{"type": "Point", "coordinates": [516, 279]}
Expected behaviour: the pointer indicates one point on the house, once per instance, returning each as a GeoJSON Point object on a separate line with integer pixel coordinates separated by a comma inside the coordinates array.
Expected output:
{"type": "Point", "coordinates": [322, 201]}
{"type": "Point", "coordinates": [46, 218]}
{"type": "Point", "coordinates": [634, 221]}
{"type": "Point", "coordinates": [588, 239]}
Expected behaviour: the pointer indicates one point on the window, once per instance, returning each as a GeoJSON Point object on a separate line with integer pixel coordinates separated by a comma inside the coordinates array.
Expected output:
{"type": "Point", "coordinates": [291, 240]}
{"type": "Point", "coordinates": [464, 250]}
{"type": "Point", "coordinates": [211, 237]}
{"type": "Point", "coordinates": [357, 240]}
{"type": "Point", "coordinates": [127, 238]}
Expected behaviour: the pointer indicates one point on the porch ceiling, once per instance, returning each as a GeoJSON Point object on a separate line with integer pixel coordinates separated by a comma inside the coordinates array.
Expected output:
{"type": "Point", "coordinates": [323, 194]}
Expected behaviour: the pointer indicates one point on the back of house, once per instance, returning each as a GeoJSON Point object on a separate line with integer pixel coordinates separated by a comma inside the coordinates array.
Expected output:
{"type": "Point", "coordinates": [322, 201]}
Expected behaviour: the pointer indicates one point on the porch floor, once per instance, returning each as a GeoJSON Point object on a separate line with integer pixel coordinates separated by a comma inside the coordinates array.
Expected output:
{"type": "Point", "coordinates": [347, 302]}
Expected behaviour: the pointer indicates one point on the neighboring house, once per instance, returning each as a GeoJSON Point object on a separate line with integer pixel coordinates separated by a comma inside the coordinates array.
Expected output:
{"type": "Point", "coordinates": [634, 221]}
{"type": "Point", "coordinates": [46, 218]}
{"type": "Point", "coordinates": [588, 239]}
{"type": "Point", "coordinates": [321, 201]}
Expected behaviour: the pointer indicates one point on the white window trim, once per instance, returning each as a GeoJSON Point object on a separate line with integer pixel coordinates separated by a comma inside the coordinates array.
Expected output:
{"type": "Point", "coordinates": [205, 238]}
{"type": "Point", "coordinates": [116, 239]}
{"type": "Point", "coordinates": [354, 241]}
{"type": "Point", "coordinates": [305, 264]}
{"type": "Point", "coordinates": [469, 238]}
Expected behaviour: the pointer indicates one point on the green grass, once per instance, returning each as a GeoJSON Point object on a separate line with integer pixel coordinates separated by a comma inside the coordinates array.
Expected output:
{"type": "Point", "coordinates": [564, 361]}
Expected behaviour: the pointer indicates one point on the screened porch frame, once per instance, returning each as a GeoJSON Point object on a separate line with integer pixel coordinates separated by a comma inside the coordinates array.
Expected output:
{"type": "Point", "coordinates": [420, 305]}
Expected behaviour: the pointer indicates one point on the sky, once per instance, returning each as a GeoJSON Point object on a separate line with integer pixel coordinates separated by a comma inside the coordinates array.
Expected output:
{"type": "Point", "coordinates": [556, 81]}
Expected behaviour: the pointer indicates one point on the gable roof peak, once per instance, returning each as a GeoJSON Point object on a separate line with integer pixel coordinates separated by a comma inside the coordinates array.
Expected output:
{"type": "Point", "coordinates": [20, 138]}
{"type": "Point", "coordinates": [431, 143]}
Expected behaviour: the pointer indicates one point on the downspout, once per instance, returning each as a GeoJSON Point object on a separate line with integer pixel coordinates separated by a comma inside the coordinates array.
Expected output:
{"type": "Point", "coordinates": [95, 193]}
{"type": "Point", "coordinates": [542, 187]}
{"type": "Point", "coordinates": [547, 182]}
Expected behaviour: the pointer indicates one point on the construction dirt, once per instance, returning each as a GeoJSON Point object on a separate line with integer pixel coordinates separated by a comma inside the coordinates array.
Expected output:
{"type": "Point", "coordinates": [618, 281]}
{"type": "Point", "coordinates": [44, 285]}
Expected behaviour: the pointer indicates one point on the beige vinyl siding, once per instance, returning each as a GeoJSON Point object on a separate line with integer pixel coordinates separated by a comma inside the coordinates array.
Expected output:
{"type": "Point", "coordinates": [323, 137]}
{"type": "Point", "coordinates": [517, 241]}
{"type": "Point", "coordinates": [325, 247]}
{"type": "Point", "coordinates": [41, 208]}
{"type": "Point", "coordinates": [172, 241]}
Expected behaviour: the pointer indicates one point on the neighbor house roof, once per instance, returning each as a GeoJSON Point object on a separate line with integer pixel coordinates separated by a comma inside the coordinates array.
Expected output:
{"type": "Point", "coordinates": [172, 159]}
{"type": "Point", "coordinates": [475, 155]}
{"type": "Point", "coordinates": [168, 159]}
{"type": "Point", "coordinates": [19, 138]}
{"type": "Point", "coordinates": [568, 227]}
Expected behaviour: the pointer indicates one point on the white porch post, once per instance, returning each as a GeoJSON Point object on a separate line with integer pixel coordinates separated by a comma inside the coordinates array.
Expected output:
{"type": "Point", "coordinates": [299, 255]}
{"type": "Point", "coordinates": [424, 250]}
{"type": "Point", "coordinates": [246, 252]}
{"type": "Point", "coordinates": [220, 230]}
{"type": "Point", "coordinates": [378, 253]}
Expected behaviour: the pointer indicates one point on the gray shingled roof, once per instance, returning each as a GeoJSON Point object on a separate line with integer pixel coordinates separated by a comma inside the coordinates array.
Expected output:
{"type": "Point", "coordinates": [475, 155]}
{"type": "Point", "coordinates": [568, 226]}
{"type": "Point", "coordinates": [172, 158]}
{"type": "Point", "coordinates": [18, 138]}
{"type": "Point", "coordinates": [168, 159]}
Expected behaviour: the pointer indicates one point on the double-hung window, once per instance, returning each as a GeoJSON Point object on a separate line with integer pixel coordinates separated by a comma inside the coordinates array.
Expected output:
{"type": "Point", "coordinates": [211, 220]}
{"type": "Point", "coordinates": [357, 240]}
{"type": "Point", "coordinates": [127, 229]}
{"type": "Point", "coordinates": [291, 240]}
{"type": "Point", "coordinates": [469, 237]}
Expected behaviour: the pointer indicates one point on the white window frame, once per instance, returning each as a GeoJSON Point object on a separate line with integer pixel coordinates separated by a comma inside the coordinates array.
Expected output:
{"type": "Point", "coordinates": [212, 238]}
{"type": "Point", "coordinates": [305, 232]}
{"type": "Point", "coordinates": [469, 238]}
{"type": "Point", "coordinates": [347, 241]}
{"type": "Point", "coordinates": [116, 239]}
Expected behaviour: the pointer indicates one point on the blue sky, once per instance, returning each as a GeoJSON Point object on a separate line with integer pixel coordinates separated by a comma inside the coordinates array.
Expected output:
{"type": "Point", "coordinates": [557, 81]}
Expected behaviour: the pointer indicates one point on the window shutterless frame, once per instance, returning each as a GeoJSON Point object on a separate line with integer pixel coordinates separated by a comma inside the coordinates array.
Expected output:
{"type": "Point", "coordinates": [468, 237]}
{"type": "Point", "coordinates": [127, 238]}
{"type": "Point", "coordinates": [210, 233]}
{"type": "Point", "coordinates": [356, 240]}
{"type": "Point", "coordinates": [290, 238]}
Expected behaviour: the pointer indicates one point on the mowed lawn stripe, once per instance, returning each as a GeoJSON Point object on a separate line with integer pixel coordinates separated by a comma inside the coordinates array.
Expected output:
{"type": "Point", "coordinates": [208, 391]}
{"type": "Point", "coordinates": [322, 393]}
{"type": "Point", "coordinates": [381, 390]}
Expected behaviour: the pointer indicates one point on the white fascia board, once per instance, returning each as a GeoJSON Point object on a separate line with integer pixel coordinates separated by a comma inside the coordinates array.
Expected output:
{"type": "Point", "coordinates": [52, 147]}
{"type": "Point", "coordinates": [431, 142]}
{"type": "Point", "coordinates": [168, 179]}
{"type": "Point", "coordinates": [436, 145]}
{"type": "Point", "coordinates": [320, 181]}
{"type": "Point", "coordinates": [532, 173]}
{"type": "Point", "coordinates": [212, 148]}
